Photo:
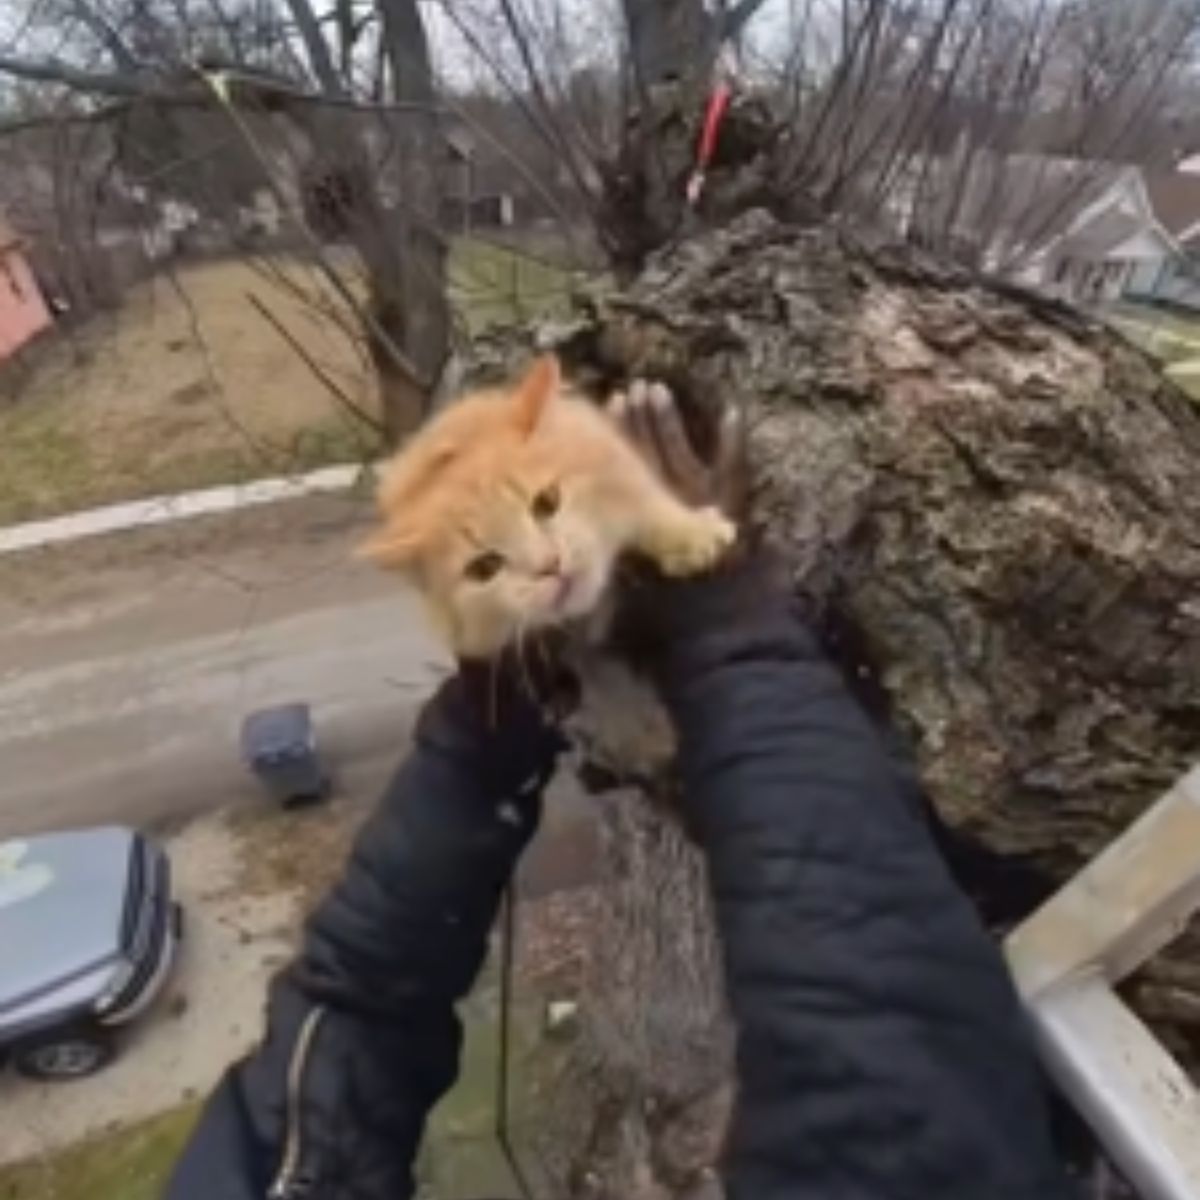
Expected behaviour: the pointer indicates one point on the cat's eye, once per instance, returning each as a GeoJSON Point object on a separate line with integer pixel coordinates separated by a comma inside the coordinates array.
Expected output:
{"type": "Point", "coordinates": [545, 503]}
{"type": "Point", "coordinates": [484, 566]}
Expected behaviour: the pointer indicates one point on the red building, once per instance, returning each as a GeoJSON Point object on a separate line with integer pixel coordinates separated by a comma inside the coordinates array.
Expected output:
{"type": "Point", "coordinates": [23, 311]}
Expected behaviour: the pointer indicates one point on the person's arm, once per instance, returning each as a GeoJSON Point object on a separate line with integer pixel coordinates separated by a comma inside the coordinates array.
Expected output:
{"type": "Point", "coordinates": [362, 1036]}
{"type": "Point", "coordinates": [882, 1054]}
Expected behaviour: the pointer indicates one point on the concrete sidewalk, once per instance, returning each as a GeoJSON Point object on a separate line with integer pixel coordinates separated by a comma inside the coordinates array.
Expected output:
{"type": "Point", "coordinates": [160, 510]}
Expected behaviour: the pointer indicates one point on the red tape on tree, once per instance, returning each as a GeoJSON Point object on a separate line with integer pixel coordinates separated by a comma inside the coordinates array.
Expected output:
{"type": "Point", "coordinates": [718, 105]}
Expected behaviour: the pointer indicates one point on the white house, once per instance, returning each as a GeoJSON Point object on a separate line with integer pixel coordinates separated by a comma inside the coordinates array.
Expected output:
{"type": "Point", "coordinates": [1083, 230]}
{"type": "Point", "coordinates": [1137, 238]}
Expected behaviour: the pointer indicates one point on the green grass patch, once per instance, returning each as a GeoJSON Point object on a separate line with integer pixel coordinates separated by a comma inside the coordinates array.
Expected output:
{"type": "Point", "coordinates": [132, 1163]}
{"type": "Point", "coordinates": [461, 1155]}
{"type": "Point", "coordinates": [50, 469]}
{"type": "Point", "coordinates": [1173, 338]}
{"type": "Point", "coordinates": [492, 285]}
{"type": "Point", "coordinates": [1186, 373]}
{"type": "Point", "coordinates": [1169, 336]}
{"type": "Point", "coordinates": [43, 459]}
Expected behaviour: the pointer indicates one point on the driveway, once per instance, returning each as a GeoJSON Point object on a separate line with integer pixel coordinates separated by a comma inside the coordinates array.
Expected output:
{"type": "Point", "coordinates": [235, 938]}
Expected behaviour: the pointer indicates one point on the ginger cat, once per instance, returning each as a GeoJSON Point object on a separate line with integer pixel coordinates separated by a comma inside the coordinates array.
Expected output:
{"type": "Point", "coordinates": [509, 510]}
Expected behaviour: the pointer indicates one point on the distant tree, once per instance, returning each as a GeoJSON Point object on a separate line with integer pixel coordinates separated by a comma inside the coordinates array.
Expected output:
{"type": "Point", "coordinates": [880, 112]}
{"type": "Point", "coordinates": [341, 83]}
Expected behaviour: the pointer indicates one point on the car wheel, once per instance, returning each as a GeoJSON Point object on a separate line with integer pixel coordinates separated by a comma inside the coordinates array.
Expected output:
{"type": "Point", "coordinates": [64, 1054]}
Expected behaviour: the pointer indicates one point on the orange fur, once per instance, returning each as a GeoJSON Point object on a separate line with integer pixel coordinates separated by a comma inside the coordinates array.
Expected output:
{"type": "Point", "coordinates": [510, 509]}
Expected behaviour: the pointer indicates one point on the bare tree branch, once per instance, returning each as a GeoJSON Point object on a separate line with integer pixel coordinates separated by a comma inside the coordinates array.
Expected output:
{"type": "Point", "coordinates": [49, 120]}
{"type": "Point", "coordinates": [230, 28]}
{"type": "Point", "coordinates": [500, 75]}
{"type": "Point", "coordinates": [319, 373]}
{"type": "Point", "coordinates": [522, 169]}
{"type": "Point", "coordinates": [841, 78]}
{"type": "Point", "coordinates": [316, 47]}
{"type": "Point", "coordinates": [536, 86]}
{"type": "Point", "coordinates": [107, 35]}
{"type": "Point", "coordinates": [332, 275]}
{"type": "Point", "coordinates": [148, 87]}
{"type": "Point", "coordinates": [54, 70]}
{"type": "Point", "coordinates": [736, 19]}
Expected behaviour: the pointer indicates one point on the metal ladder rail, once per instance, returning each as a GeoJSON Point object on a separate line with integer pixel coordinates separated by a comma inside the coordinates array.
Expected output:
{"type": "Point", "coordinates": [1108, 920]}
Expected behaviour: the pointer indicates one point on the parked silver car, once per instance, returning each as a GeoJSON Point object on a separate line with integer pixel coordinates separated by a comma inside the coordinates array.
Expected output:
{"type": "Point", "coordinates": [89, 933]}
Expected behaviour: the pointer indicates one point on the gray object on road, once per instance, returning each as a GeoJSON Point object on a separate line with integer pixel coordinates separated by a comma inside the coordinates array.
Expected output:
{"type": "Point", "coordinates": [90, 933]}
{"type": "Point", "coordinates": [280, 746]}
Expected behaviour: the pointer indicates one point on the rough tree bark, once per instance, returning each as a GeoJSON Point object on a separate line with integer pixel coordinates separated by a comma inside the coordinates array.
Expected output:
{"type": "Point", "coordinates": [991, 505]}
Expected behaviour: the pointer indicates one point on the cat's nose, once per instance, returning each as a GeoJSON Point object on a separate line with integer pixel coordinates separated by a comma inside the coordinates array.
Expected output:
{"type": "Point", "coordinates": [550, 565]}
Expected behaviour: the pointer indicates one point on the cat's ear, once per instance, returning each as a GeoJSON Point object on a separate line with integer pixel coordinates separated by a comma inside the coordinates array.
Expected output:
{"type": "Point", "coordinates": [536, 391]}
{"type": "Point", "coordinates": [413, 472]}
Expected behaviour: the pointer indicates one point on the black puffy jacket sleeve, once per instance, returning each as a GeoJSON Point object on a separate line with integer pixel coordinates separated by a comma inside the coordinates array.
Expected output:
{"type": "Point", "coordinates": [882, 1054]}
{"type": "Point", "coordinates": [361, 1034]}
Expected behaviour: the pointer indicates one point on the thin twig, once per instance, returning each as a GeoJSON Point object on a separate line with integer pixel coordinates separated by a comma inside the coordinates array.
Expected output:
{"type": "Point", "coordinates": [317, 370]}
{"type": "Point", "coordinates": [543, 124]}
{"type": "Point", "coordinates": [382, 336]}
{"type": "Point", "coordinates": [508, 938]}
{"type": "Point", "coordinates": [262, 448]}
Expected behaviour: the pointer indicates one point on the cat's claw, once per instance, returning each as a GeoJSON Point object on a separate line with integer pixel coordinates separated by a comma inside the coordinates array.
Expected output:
{"type": "Point", "coordinates": [697, 544]}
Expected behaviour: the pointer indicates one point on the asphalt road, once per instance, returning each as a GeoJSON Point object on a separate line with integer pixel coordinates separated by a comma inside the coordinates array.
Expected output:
{"type": "Point", "coordinates": [127, 664]}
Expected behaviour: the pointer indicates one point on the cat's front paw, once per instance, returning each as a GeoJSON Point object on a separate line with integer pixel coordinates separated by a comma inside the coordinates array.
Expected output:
{"type": "Point", "coordinates": [695, 544]}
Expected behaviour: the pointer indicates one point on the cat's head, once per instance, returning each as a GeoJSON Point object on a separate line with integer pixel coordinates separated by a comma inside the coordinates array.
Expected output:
{"type": "Point", "coordinates": [487, 512]}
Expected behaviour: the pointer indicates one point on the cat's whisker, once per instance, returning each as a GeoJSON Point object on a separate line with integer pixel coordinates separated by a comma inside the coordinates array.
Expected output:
{"type": "Point", "coordinates": [519, 645]}
{"type": "Point", "coordinates": [494, 694]}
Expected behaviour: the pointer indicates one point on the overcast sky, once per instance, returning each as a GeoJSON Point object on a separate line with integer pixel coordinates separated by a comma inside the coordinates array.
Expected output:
{"type": "Point", "coordinates": [581, 19]}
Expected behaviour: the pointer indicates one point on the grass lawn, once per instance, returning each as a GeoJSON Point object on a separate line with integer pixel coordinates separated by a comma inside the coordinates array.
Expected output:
{"type": "Point", "coordinates": [1172, 337]}
{"type": "Point", "coordinates": [127, 1164]}
{"type": "Point", "coordinates": [460, 1157]}
{"type": "Point", "coordinates": [190, 385]}
{"type": "Point", "coordinates": [490, 285]}
{"type": "Point", "coordinates": [1164, 324]}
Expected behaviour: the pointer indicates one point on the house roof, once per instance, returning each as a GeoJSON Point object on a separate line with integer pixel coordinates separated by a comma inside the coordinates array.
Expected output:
{"type": "Point", "coordinates": [1025, 204]}
{"type": "Point", "coordinates": [1175, 198]}
{"type": "Point", "coordinates": [460, 142]}
{"type": "Point", "coordinates": [1101, 235]}
{"type": "Point", "coordinates": [1026, 199]}
{"type": "Point", "coordinates": [1046, 195]}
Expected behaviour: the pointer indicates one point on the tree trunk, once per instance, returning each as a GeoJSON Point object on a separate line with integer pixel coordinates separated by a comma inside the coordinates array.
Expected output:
{"type": "Point", "coordinates": [990, 504]}
{"type": "Point", "coordinates": [407, 255]}
{"type": "Point", "coordinates": [378, 185]}
{"type": "Point", "coordinates": [674, 47]}
{"type": "Point", "coordinates": [409, 309]}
